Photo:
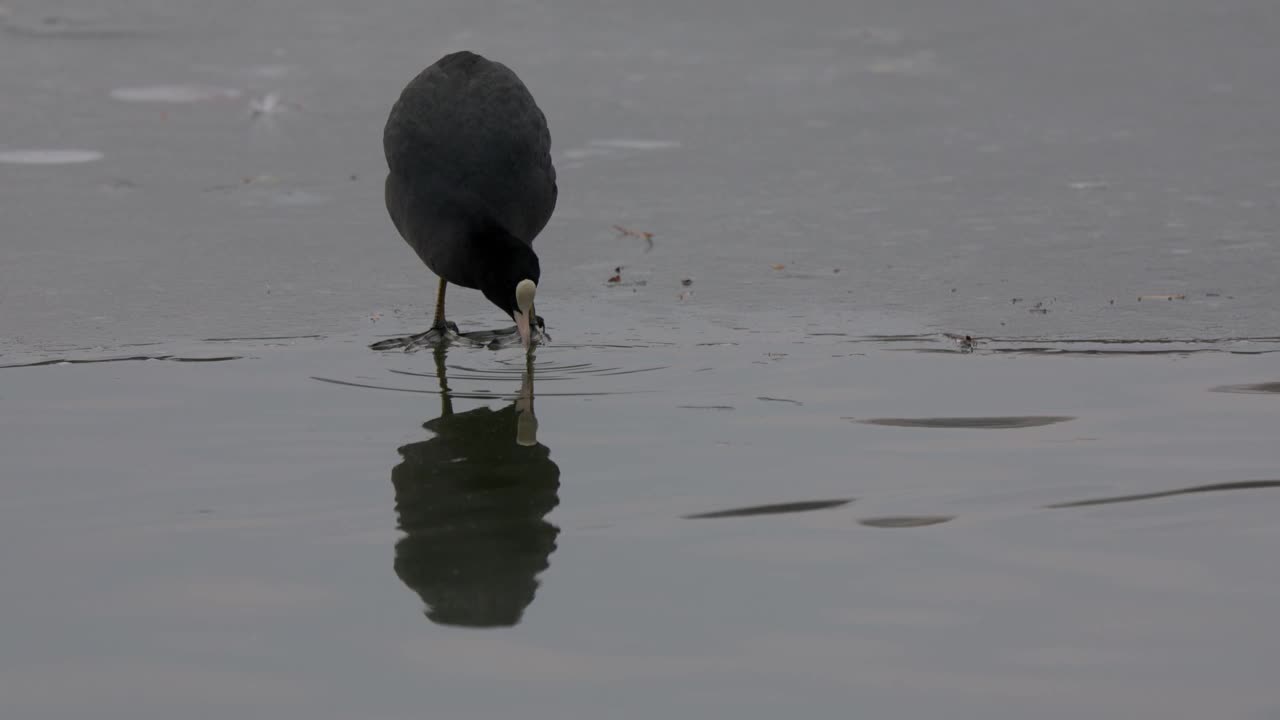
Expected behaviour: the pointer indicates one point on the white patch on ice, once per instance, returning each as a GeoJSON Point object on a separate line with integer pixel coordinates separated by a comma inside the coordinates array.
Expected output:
{"type": "Point", "coordinates": [48, 157]}
{"type": "Point", "coordinates": [581, 153]}
{"type": "Point", "coordinates": [635, 144]}
{"type": "Point", "coordinates": [174, 93]}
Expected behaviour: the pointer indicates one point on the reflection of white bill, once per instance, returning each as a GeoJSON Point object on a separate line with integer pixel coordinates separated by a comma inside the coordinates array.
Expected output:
{"type": "Point", "coordinates": [526, 421]}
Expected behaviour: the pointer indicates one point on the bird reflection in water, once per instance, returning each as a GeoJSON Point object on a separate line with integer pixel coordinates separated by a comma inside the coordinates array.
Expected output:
{"type": "Point", "coordinates": [472, 502]}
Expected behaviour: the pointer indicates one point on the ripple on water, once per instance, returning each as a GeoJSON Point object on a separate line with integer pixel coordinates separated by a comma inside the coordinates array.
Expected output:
{"type": "Point", "coordinates": [544, 371]}
{"type": "Point", "coordinates": [508, 374]}
{"type": "Point", "coordinates": [124, 358]}
{"type": "Point", "coordinates": [983, 423]}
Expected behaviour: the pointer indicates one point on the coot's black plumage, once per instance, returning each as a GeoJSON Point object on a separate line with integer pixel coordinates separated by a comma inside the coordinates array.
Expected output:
{"type": "Point", "coordinates": [471, 181]}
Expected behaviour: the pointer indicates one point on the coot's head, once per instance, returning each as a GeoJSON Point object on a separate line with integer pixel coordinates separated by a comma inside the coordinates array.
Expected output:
{"type": "Point", "coordinates": [512, 285]}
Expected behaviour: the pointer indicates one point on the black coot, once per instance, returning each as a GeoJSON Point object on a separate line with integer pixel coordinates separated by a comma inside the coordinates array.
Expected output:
{"type": "Point", "coordinates": [471, 181]}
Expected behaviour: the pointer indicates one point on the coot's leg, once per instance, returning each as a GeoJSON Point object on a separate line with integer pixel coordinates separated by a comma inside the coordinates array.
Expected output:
{"type": "Point", "coordinates": [442, 331]}
{"type": "Point", "coordinates": [440, 323]}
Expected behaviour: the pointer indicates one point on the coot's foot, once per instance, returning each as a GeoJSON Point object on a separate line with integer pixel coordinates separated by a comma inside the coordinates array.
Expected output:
{"type": "Point", "coordinates": [506, 337]}
{"type": "Point", "coordinates": [449, 335]}
{"type": "Point", "coordinates": [437, 336]}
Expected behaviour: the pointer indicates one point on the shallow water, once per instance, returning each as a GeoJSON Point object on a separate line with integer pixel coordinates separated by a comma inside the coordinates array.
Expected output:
{"type": "Point", "coordinates": [315, 529]}
{"type": "Point", "coordinates": [762, 472]}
